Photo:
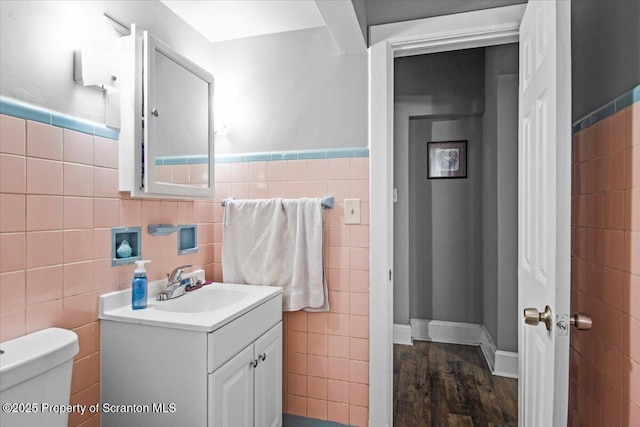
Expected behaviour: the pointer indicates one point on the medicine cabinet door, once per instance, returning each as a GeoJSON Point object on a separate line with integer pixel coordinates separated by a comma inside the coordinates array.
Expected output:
{"type": "Point", "coordinates": [178, 123]}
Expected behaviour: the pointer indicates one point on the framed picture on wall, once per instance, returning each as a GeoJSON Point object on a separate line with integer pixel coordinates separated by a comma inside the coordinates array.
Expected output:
{"type": "Point", "coordinates": [447, 159]}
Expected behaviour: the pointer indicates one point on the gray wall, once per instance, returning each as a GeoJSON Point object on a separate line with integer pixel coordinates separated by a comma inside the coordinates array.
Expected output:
{"type": "Point", "coordinates": [289, 91]}
{"type": "Point", "coordinates": [427, 86]}
{"type": "Point", "coordinates": [446, 225]}
{"type": "Point", "coordinates": [455, 241]}
{"type": "Point", "coordinates": [605, 52]}
{"type": "Point", "coordinates": [39, 37]}
{"type": "Point", "coordinates": [499, 190]}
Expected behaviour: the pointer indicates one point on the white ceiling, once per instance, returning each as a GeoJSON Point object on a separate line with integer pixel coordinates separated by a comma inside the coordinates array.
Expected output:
{"type": "Point", "coordinates": [221, 20]}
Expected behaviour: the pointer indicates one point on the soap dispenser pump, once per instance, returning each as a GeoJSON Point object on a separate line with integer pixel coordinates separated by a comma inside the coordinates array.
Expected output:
{"type": "Point", "coordinates": [139, 286]}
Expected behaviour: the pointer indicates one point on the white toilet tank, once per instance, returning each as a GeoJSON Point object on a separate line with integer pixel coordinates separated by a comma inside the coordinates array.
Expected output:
{"type": "Point", "coordinates": [35, 378]}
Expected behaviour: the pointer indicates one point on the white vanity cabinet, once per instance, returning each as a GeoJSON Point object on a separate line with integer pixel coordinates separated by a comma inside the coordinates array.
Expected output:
{"type": "Point", "coordinates": [247, 390]}
{"type": "Point", "coordinates": [177, 372]}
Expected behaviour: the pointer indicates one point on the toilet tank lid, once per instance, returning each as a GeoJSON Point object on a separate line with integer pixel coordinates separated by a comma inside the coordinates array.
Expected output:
{"type": "Point", "coordinates": [30, 355]}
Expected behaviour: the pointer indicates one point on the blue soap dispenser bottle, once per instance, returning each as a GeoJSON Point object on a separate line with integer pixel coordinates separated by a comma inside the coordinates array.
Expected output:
{"type": "Point", "coordinates": [139, 286]}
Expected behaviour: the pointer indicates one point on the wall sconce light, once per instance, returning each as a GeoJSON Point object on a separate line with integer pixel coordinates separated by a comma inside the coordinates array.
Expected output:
{"type": "Point", "coordinates": [89, 71]}
{"type": "Point", "coordinates": [94, 70]}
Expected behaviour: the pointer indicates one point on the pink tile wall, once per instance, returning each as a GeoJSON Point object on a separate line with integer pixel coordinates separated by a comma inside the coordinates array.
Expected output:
{"type": "Point", "coordinates": [326, 355]}
{"type": "Point", "coordinates": [183, 174]}
{"type": "Point", "coordinates": [58, 200]}
{"type": "Point", "coordinates": [605, 362]}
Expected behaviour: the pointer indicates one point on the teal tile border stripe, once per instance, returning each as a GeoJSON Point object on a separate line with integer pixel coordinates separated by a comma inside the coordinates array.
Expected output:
{"type": "Point", "coordinates": [610, 108]}
{"type": "Point", "coordinates": [182, 160]}
{"type": "Point", "coordinates": [330, 153]}
{"type": "Point", "coordinates": [22, 110]}
{"type": "Point", "coordinates": [298, 421]}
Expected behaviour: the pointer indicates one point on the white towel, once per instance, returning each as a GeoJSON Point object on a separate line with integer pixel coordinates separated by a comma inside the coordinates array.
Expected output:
{"type": "Point", "coordinates": [277, 242]}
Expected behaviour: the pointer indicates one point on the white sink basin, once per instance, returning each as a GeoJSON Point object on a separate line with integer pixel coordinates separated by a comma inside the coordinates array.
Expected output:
{"type": "Point", "coordinates": [198, 302]}
{"type": "Point", "coordinates": [204, 309]}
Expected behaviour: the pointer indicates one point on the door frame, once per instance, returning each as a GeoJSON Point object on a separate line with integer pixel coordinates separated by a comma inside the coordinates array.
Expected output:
{"type": "Point", "coordinates": [467, 30]}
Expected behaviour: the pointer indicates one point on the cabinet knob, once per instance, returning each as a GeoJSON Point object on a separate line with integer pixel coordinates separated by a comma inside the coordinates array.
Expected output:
{"type": "Point", "coordinates": [263, 357]}
{"type": "Point", "coordinates": [155, 112]}
{"type": "Point", "coordinates": [253, 363]}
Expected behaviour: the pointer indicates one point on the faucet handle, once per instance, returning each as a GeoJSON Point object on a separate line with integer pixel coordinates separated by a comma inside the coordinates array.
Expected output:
{"type": "Point", "coordinates": [176, 274]}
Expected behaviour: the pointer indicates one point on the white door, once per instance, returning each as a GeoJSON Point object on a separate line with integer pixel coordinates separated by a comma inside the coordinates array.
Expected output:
{"type": "Point", "coordinates": [268, 378]}
{"type": "Point", "coordinates": [544, 209]}
{"type": "Point", "coordinates": [231, 392]}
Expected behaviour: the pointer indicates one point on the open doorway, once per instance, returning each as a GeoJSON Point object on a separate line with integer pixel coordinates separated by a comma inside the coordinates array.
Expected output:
{"type": "Point", "coordinates": [455, 239]}
{"type": "Point", "coordinates": [543, 31]}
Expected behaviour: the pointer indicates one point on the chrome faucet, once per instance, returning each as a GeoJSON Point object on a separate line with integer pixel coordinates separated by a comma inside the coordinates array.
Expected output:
{"type": "Point", "coordinates": [176, 286]}
{"type": "Point", "coordinates": [176, 275]}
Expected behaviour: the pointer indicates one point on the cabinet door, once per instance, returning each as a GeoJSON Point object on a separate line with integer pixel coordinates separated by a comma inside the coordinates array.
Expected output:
{"type": "Point", "coordinates": [178, 113]}
{"type": "Point", "coordinates": [268, 378]}
{"type": "Point", "coordinates": [231, 392]}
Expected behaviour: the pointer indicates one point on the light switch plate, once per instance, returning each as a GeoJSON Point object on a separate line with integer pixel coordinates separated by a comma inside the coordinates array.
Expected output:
{"type": "Point", "coordinates": [352, 211]}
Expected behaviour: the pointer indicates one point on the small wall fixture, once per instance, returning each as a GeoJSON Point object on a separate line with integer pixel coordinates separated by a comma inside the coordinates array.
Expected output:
{"type": "Point", "coordinates": [161, 229]}
{"type": "Point", "coordinates": [92, 70]}
{"type": "Point", "coordinates": [187, 239]}
{"type": "Point", "coordinates": [126, 245]}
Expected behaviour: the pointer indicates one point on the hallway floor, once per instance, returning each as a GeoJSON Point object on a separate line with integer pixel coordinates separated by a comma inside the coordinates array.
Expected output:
{"type": "Point", "coordinates": [437, 384]}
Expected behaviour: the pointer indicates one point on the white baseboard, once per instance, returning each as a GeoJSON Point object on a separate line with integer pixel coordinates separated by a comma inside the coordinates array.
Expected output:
{"type": "Point", "coordinates": [506, 364]}
{"type": "Point", "coordinates": [402, 334]}
{"type": "Point", "coordinates": [488, 348]}
{"type": "Point", "coordinates": [449, 332]}
{"type": "Point", "coordinates": [502, 363]}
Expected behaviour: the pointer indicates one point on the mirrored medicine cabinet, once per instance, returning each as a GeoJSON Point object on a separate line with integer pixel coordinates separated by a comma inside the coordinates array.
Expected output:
{"type": "Point", "coordinates": [167, 132]}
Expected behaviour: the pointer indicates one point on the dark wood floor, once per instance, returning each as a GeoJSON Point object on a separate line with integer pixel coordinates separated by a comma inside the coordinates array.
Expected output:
{"type": "Point", "coordinates": [436, 384]}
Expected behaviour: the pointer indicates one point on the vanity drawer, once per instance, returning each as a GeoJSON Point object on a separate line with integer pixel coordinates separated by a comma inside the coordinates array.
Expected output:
{"type": "Point", "coordinates": [227, 341]}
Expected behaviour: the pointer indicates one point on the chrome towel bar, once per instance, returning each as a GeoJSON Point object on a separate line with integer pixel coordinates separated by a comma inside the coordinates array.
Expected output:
{"type": "Point", "coordinates": [326, 202]}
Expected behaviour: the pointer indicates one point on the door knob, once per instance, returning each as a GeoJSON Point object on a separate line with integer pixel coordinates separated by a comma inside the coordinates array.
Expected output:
{"type": "Point", "coordinates": [533, 317]}
{"type": "Point", "coordinates": [581, 321]}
